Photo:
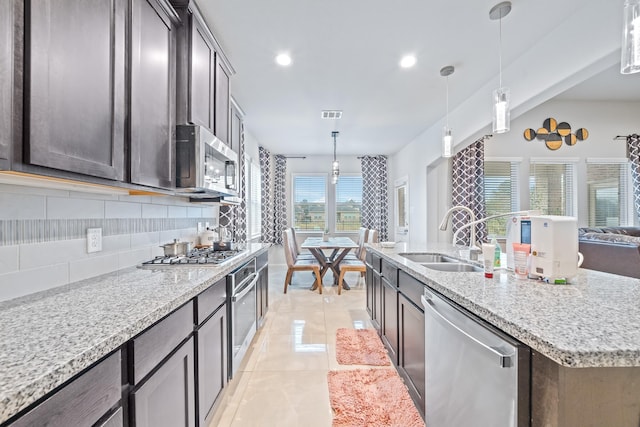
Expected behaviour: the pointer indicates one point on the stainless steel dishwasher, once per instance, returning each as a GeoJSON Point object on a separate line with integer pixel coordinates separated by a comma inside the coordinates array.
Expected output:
{"type": "Point", "coordinates": [475, 375]}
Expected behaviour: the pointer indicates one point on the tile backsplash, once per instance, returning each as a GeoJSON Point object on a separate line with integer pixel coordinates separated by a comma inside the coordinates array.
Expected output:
{"type": "Point", "coordinates": [43, 234]}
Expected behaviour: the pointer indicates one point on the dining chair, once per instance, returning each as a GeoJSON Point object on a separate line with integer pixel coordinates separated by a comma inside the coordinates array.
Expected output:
{"type": "Point", "coordinates": [298, 254]}
{"type": "Point", "coordinates": [294, 264]}
{"type": "Point", "coordinates": [358, 264]}
{"type": "Point", "coordinates": [362, 238]}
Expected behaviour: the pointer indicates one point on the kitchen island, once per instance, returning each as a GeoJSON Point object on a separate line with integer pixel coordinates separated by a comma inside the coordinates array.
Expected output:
{"type": "Point", "coordinates": [584, 337]}
{"type": "Point", "coordinates": [48, 338]}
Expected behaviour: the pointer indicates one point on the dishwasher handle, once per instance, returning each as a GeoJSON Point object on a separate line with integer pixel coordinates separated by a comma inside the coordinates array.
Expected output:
{"type": "Point", "coordinates": [503, 359]}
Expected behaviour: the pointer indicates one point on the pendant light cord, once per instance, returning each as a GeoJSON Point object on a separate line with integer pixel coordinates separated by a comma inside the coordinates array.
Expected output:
{"type": "Point", "coordinates": [500, 50]}
{"type": "Point", "coordinates": [447, 118]}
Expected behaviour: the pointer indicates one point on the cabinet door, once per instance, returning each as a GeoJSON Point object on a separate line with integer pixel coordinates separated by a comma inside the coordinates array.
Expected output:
{"type": "Point", "coordinates": [389, 322]}
{"type": "Point", "coordinates": [376, 300]}
{"type": "Point", "coordinates": [115, 420]}
{"type": "Point", "coordinates": [222, 102]}
{"type": "Point", "coordinates": [166, 399]}
{"type": "Point", "coordinates": [212, 363]}
{"type": "Point", "coordinates": [83, 401]}
{"type": "Point", "coordinates": [236, 129]}
{"type": "Point", "coordinates": [75, 86]}
{"type": "Point", "coordinates": [263, 295]}
{"type": "Point", "coordinates": [411, 362]}
{"type": "Point", "coordinates": [202, 67]}
{"type": "Point", "coordinates": [152, 94]}
{"type": "Point", "coordinates": [369, 290]}
{"type": "Point", "coordinates": [6, 81]}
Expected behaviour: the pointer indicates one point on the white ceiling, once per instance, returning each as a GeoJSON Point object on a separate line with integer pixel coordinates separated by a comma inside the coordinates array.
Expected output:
{"type": "Point", "coordinates": [346, 54]}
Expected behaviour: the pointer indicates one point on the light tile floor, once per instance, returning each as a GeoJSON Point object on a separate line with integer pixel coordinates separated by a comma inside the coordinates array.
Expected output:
{"type": "Point", "coordinates": [283, 380]}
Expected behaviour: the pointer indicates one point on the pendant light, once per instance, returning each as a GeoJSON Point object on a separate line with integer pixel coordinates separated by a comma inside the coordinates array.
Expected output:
{"type": "Point", "coordinates": [447, 138]}
{"type": "Point", "coordinates": [501, 96]}
{"type": "Point", "coordinates": [630, 59]}
{"type": "Point", "coordinates": [335, 166]}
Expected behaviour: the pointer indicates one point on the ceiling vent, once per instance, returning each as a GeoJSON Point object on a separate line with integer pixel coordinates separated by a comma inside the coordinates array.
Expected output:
{"type": "Point", "coordinates": [331, 114]}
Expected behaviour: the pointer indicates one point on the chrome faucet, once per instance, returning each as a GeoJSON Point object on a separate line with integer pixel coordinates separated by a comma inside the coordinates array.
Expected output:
{"type": "Point", "coordinates": [472, 223]}
{"type": "Point", "coordinates": [474, 250]}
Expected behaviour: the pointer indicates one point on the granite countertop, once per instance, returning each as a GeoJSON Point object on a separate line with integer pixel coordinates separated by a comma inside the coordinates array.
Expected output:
{"type": "Point", "coordinates": [593, 322]}
{"type": "Point", "coordinates": [49, 337]}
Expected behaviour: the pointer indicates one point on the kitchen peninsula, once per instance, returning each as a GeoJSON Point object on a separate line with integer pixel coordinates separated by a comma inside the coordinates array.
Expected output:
{"type": "Point", "coordinates": [102, 321]}
{"type": "Point", "coordinates": [584, 337]}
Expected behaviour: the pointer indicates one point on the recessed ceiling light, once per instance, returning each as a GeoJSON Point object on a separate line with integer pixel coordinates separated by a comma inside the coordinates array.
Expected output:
{"type": "Point", "coordinates": [283, 59]}
{"type": "Point", "coordinates": [408, 61]}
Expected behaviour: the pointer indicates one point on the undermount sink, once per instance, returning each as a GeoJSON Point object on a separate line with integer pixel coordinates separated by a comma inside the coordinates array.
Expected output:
{"type": "Point", "coordinates": [452, 266]}
{"type": "Point", "coordinates": [427, 257]}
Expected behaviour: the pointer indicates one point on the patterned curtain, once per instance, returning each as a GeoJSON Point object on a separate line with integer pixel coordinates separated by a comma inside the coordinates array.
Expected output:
{"type": "Point", "coordinates": [279, 198]}
{"type": "Point", "coordinates": [274, 202]}
{"type": "Point", "coordinates": [468, 190]}
{"type": "Point", "coordinates": [375, 199]}
{"type": "Point", "coordinates": [235, 217]}
{"type": "Point", "coordinates": [266, 202]}
{"type": "Point", "coordinates": [633, 153]}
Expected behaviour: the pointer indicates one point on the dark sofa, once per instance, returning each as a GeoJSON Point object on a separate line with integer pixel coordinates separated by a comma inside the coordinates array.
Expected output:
{"type": "Point", "coordinates": [611, 249]}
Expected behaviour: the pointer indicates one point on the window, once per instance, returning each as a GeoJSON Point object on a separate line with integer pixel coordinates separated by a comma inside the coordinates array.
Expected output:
{"type": "Point", "coordinates": [608, 192]}
{"type": "Point", "coordinates": [255, 199]}
{"type": "Point", "coordinates": [310, 202]}
{"type": "Point", "coordinates": [552, 188]}
{"type": "Point", "coordinates": [500, 193]}
{"type": "Point", "coordinates": [348, 203]}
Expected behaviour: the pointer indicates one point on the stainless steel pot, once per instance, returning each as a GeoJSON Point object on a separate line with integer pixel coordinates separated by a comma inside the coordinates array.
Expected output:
{"type": "Point", "coordinates": [176, 248]}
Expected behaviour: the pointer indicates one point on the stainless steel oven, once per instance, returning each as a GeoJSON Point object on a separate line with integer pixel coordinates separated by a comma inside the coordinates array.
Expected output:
{"type": "Point", "coordinates": [242, 293]}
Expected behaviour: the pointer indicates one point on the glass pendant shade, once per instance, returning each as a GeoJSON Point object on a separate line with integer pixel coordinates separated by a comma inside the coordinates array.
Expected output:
{"type": "Point", "coordinates": [447, 142]}
{"type": "Point", "coordinates": [501, 110]}
{"type": "Point", "coordinates": [630, 59]}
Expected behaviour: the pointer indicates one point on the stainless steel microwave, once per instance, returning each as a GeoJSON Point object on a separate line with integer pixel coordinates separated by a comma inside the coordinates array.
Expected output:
{"type": "Point", "coordinates": [205, 166]}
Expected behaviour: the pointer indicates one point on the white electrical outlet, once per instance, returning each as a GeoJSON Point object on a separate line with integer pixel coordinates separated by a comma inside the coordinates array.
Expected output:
{"type": "Point", "coordinates": [94, 240]}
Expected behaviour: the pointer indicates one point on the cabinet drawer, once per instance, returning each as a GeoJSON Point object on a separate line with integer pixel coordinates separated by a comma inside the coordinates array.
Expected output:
{"type": "Point", "coordinates": [374, 261]}
{"type": "Point", "coordinates": [262, 260]}
{"type": "Point", "coordinates": [209, 300]}
{"type": "Point", "coordinates": [411, 288]}
{"type": "Point", "coordinates": [154, 344]}
{"type": "Point", "coordinates": [83, 401]}
{"type": "Point", "coordinates": [390, 272]}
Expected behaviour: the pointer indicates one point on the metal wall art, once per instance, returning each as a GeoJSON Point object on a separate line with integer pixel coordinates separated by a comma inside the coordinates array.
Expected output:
{"type": "Point", "coordinates": [553, 133]}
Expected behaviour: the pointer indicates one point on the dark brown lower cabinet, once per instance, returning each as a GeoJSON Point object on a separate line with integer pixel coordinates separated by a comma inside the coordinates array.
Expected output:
{"type": "Point", "coordinates": [115, 420]}
{"type": "Point", "coordinates": [411, 364]}
{"type": "Point", "coordinates": [83, 401]}
{"type": "Point", "coordinates": [212, 363]}
{"type": "Point", "coordinates": [389, 325]}
{"type": "Point", "coordinates": [166, 398]}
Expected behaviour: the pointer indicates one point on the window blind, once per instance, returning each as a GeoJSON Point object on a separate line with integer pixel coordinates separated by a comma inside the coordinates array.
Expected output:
{"type": "Point", "coordinates": [310, 202]}
{"type": "Point", "coordinates": [348, 203]}
{"type": "Point", "coordinates": [552, 188]}
{"type": "Point", "coordinates": [500, 193]}
{"type": "Point", "coordinates": [608, 192]}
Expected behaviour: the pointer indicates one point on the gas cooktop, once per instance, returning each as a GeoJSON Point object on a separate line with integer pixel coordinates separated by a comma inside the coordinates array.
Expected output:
{"type": "Point", "coordinates": [196, 257]}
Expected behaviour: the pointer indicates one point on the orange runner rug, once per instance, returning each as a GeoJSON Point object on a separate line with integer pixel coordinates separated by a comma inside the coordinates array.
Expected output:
{"type": "Point", "coordinates": [371, 397]}
{"type": "Point", "coordinates": [360, 347]}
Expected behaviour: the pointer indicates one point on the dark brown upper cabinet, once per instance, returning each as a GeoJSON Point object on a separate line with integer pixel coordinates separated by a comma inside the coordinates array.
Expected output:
{"type": "Point", "coordinates": [202, 73]}
{"type": "Point", "coordinates": [222, 101]}
{"type": "Point", "coordinates": [6, 82]}
{"type": "Point", "coordinates": [74, 85]}
{"type": "Point", "coordinates": [153, 89]}
{"type": "Point", "coordinates": [236, 127]}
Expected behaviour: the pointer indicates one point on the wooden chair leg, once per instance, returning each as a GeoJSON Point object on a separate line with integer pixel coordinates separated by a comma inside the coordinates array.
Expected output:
{"type": "Point", "coordinates": [316, 271]}
{"type": "Point", "coordinates": [287, 279]}
{"type": "Point", "coordinates": [340, 280]}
